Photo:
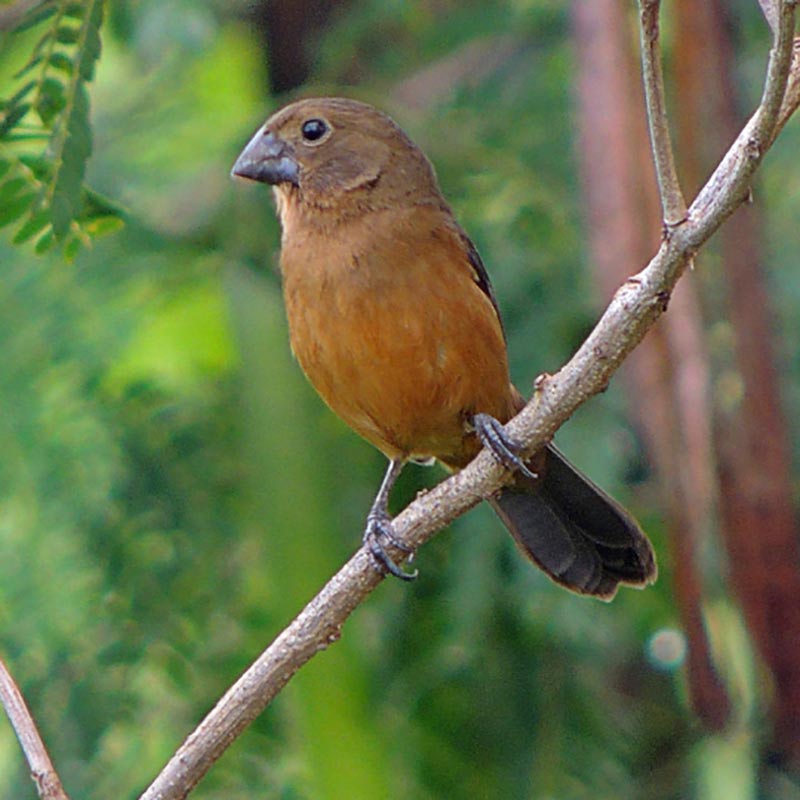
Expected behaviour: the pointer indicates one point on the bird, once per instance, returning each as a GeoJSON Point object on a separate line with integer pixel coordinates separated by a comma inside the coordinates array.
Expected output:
{"type": "Point", "coordinates": [393, 319]}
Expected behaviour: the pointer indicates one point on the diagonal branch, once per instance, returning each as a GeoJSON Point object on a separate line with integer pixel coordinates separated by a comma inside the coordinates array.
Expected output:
{"type": "Point", "coordinates": [632, 312]}
{"type": "Point", "coordinates": [43, 773]}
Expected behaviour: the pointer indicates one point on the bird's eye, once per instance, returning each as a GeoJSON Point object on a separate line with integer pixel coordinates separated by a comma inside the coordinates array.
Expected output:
{"type": "Point", "coordinates": [314, 129]}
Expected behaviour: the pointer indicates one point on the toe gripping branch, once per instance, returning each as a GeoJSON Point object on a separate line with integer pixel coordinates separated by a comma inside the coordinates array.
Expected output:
{"type": "Point", "coordinates": [505, 450]}
{"type": "Point", "coordinates": [379, 528]}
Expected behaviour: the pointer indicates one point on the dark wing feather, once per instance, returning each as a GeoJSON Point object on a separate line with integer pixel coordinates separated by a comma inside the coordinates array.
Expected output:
{"type": "Point", "coordinates": [481, 275]}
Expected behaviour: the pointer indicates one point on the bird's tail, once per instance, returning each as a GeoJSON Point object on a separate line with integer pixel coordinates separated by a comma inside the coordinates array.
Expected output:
{"type": "Point", "coordinates": [568, 526]}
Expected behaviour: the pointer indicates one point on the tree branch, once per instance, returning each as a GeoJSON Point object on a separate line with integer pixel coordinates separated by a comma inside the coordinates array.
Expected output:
{"type": "Point", "coordinates": [770, 9]}
{"type": "Point", "coordinates": [634, 309]}
{"type": "Point", "coordinates": [791, 99]}
{"type": "Point", "coordinates": [673, 204]}
{"type": "Point", "coordinates": [43, 773]}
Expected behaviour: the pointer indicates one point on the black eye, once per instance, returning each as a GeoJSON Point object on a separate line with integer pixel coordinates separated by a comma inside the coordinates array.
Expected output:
{"type": "Point", "coordinates": [314, 129]}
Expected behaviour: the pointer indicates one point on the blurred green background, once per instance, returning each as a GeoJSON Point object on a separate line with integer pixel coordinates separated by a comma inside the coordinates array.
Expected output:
{"type": "Point", "coordinates": [172, 491]}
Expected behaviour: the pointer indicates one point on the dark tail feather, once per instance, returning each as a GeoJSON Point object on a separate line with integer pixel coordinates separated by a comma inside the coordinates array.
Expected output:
{"type": "Point", "coordinates": [574, 531]}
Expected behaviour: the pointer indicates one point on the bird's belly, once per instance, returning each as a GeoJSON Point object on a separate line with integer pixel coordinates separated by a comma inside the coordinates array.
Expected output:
{"type": "Point", "coordinates": [405, 379]}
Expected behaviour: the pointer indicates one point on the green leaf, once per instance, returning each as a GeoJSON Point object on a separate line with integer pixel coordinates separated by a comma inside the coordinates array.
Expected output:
{"type": "Point", "coordinates": [61, 62]}
{"type": "Point", "coordinates": [72, 247]}
{"type": "Point", "coordinates": [61, 213]}
{"type": "Point", "coordinates": [29, 65]}
{"type": "Point", "coordinates": [52, 88]}
{"type": "Point", "coordinates": [66, 199]}
{"type": "Point", "coordinates": [36, 56]}
{"type": "Point", "coordinates": [74, 11]}
{"type": "Point", "coordinates": [12, 187]}
{"type": "Point", "coordinates": [44, 243]}
{"type": "Point", "coordinates": [12, 210]}
{"type": "Point", "coordinates": [35, 17]}
{"type": "Point", "coordinates": [67, 35]}
{"type": "Point", "coordinates": [32, 227]}
{"type": "Point", "coordinates": [102, 226]}
{"type": "Point", "coordinates": [38, 165]}
{"type": "Point", "coordinates": [19, 94]}
{"type": "Point", "coordinates": [51, 100]}
{"type": "Point", "coordinates": [13, 117]}
{"type": "Point", "coordinates": [92, 44]}
{"type": "Point", "coordinates": [96, 205]}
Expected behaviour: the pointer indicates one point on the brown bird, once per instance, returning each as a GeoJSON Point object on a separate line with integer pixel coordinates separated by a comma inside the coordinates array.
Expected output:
{"type": "Point", "coordinates": [393, 320]}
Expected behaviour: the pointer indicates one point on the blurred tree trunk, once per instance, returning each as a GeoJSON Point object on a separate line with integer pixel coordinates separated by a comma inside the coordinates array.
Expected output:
{"type": "Point", "coordinates": [750, 432]}
{"type": "Point", "coordinates": [287, 28]}
{"type": "Point", "coordinates": [668, 372]}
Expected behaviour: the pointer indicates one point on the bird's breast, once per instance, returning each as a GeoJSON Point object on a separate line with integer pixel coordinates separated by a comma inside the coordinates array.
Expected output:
{"type": "Point", "coordinates": [395, 335]}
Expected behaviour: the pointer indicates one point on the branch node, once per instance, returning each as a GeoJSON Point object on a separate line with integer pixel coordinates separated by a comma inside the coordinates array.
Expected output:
{"type": "Point", "coordinates": [668, 227]}
{"type": "Point", "coordinates": [540, 381]}
{"type": "Point", "coordinates": [753, 149]}
{"type": "Point", "coordinates": [661, 300]}
{"type": "Point", "coordinates": [600, 352]}
{"type": "Point", "coordinates": [334, 636]}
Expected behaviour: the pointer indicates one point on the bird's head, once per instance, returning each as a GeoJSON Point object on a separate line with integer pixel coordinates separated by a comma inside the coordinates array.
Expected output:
{"type": "Point", "coordinates": [333, 152]}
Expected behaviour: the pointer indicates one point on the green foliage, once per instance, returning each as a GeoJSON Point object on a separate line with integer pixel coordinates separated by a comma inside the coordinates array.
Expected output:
{"type": "Point", "coordinates": [172, 492]}
{"type": "Point", "coordinates": [42, 191]}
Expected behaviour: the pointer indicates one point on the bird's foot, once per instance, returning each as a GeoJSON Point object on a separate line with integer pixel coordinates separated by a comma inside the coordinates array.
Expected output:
{"type": "Point", "coordinates": [379, 530]}
{"type": "Point", "coordinates": [505, 450]}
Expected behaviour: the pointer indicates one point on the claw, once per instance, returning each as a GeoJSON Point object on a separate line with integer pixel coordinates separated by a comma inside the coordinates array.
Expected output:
{"type": "Point", "coordinates": [379, 526]}
{"type": "Point", "coordinates": [505, 450]}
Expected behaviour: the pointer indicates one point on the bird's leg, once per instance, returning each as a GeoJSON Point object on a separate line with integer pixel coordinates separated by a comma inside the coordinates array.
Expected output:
{"type": "Point", "coordinates": [505, 450]}
{"type": "Point", "coordinates": [379, 525]}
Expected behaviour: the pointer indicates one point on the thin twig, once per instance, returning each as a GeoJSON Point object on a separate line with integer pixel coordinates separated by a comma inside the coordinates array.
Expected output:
{"type": "Point", "coordinates": [673, 204]}
{"type": "Point", "coordinates": [43, 773]}
{"type": "Point", "coordinates": [780, 63]}
{"type": "Point", "coordinates": [634, 309]}
{"type": "Point", "coordinates": [729, 185]}
{"type": "Point", "coordinates": [791, 99]}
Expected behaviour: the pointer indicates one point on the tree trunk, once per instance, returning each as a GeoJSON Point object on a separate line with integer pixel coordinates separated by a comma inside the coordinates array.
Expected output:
{"type": "Point", "coordinates": [668, 373]}
{"type": "Point", "coordinates": [750, 432]}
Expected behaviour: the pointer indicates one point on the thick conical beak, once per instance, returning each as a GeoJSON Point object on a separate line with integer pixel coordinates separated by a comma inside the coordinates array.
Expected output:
{"type": "Point", "coordinates": [267, 159]}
